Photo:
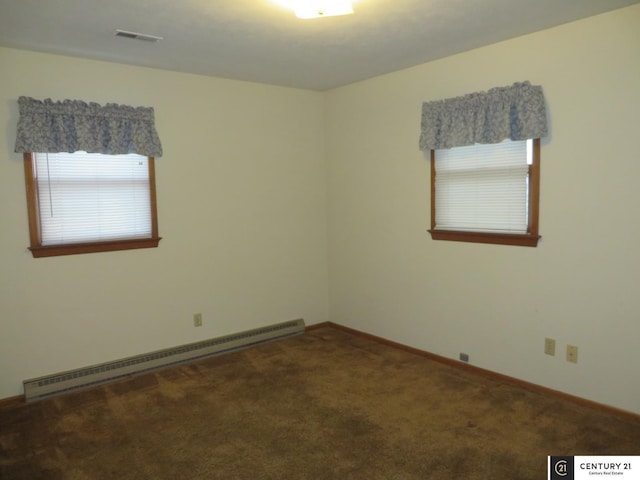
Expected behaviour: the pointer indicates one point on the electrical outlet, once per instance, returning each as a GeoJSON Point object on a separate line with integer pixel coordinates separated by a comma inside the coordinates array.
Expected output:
{"type": "Point", "coordinates": [572, 354]}
{"type": "Point", "coordinates": [197, 319]}
{"type": "Point", "coordinates": [549, 346]}
{"type": "Point", "coordinates": [464, 357]}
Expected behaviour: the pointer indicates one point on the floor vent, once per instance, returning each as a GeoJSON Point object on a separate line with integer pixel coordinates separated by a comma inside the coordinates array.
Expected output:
{"type": "Point", "coordinates": [43, 387]}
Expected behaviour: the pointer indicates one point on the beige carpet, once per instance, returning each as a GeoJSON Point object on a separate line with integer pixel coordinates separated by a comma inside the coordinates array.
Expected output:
{"type": "Point", "coordinates": [323, 405]}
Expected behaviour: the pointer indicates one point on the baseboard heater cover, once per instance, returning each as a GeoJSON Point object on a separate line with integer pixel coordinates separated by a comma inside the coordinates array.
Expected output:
{"type": "Point", "coordinates": [50, 385]}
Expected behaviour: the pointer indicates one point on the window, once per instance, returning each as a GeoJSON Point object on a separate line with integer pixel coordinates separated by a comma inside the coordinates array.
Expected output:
{"type": "Point", "coordinates": [88, 202]}
{"type": "Point", "coordinates": [486, 193]}
{"type": "Point", "coordinates": [81, 203]}
{"type": "Point", "coordinates": [485, 189]}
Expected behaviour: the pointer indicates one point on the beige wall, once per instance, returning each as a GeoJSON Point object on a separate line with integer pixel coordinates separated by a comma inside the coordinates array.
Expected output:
{"type": "Point", "coordinates": [247, 246]}
{"type": "Point", "coordinates": [496, 303]}
{"type": "Point", "coordinates": [241, 205]}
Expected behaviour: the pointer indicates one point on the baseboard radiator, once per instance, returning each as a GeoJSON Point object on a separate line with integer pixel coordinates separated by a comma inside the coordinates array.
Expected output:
{"type": "Point", "coordinates": [50, 385]}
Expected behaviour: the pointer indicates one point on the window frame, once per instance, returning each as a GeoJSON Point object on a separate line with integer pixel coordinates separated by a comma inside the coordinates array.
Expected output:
{"type": "Point", "coordinates": [38, 250]}
{"type": "Point", "coordinates": [529, 239]}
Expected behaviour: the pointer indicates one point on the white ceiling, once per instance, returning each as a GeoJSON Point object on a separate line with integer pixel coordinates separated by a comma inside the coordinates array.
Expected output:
{"type": "Point", "coordinates": [259, 41]}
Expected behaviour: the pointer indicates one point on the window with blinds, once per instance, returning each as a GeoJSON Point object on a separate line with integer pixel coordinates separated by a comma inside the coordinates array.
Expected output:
{"type": "Point", "coordinates": [99, 202]}
{"type": "Point", "coordinates": [92, 197]}
{"type": "Point", "coordinates": [486, 193]}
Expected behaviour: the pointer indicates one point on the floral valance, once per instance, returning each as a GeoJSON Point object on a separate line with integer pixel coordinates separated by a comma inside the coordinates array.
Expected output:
{"type": "Point", "coordinates": [516, 112]}
{"type": "Point", "coordinates": [72, 125]}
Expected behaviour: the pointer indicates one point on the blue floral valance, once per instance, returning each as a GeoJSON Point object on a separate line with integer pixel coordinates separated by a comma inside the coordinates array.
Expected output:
{"type": "Point", "coordinates": [72, 125]}
{"type": "Point", "coordinates": [516, 112]}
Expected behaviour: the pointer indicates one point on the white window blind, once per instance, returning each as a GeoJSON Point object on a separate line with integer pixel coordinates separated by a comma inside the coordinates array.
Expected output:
{"type": "Point", "coordinates": [483, 187]}
{"type": "Point", "coordinates": [92, 197]}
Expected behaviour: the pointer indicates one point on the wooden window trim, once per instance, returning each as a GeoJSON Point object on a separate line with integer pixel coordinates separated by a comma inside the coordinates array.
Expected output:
{"type": "Point", "coordinates": [529, 239]}
{"type": "Point", "coordinates": [38, 250]}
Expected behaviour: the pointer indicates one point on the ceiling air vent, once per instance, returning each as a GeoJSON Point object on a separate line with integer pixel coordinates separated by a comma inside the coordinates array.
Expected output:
{"type": "Point", "coordinates": [137, 36]}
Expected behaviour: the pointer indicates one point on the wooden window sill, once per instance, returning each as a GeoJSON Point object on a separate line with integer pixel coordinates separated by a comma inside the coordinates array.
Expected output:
{"type": "Point", "coordinates": [522, 240]}
{"type": "Point", "coordinates": [93, 247]}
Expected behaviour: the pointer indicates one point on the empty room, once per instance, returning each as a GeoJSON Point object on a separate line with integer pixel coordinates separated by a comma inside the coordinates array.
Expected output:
{"type": "Point", "coordinates": [269, 239]}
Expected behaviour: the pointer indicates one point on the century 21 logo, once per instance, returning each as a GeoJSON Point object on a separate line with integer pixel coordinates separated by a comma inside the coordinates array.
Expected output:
{"type": "Point", "coordinates": [560, 468]}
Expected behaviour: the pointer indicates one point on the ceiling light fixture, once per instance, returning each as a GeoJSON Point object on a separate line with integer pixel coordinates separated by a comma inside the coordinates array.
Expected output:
{"type": "Point", "coordinates": [321, 8]}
